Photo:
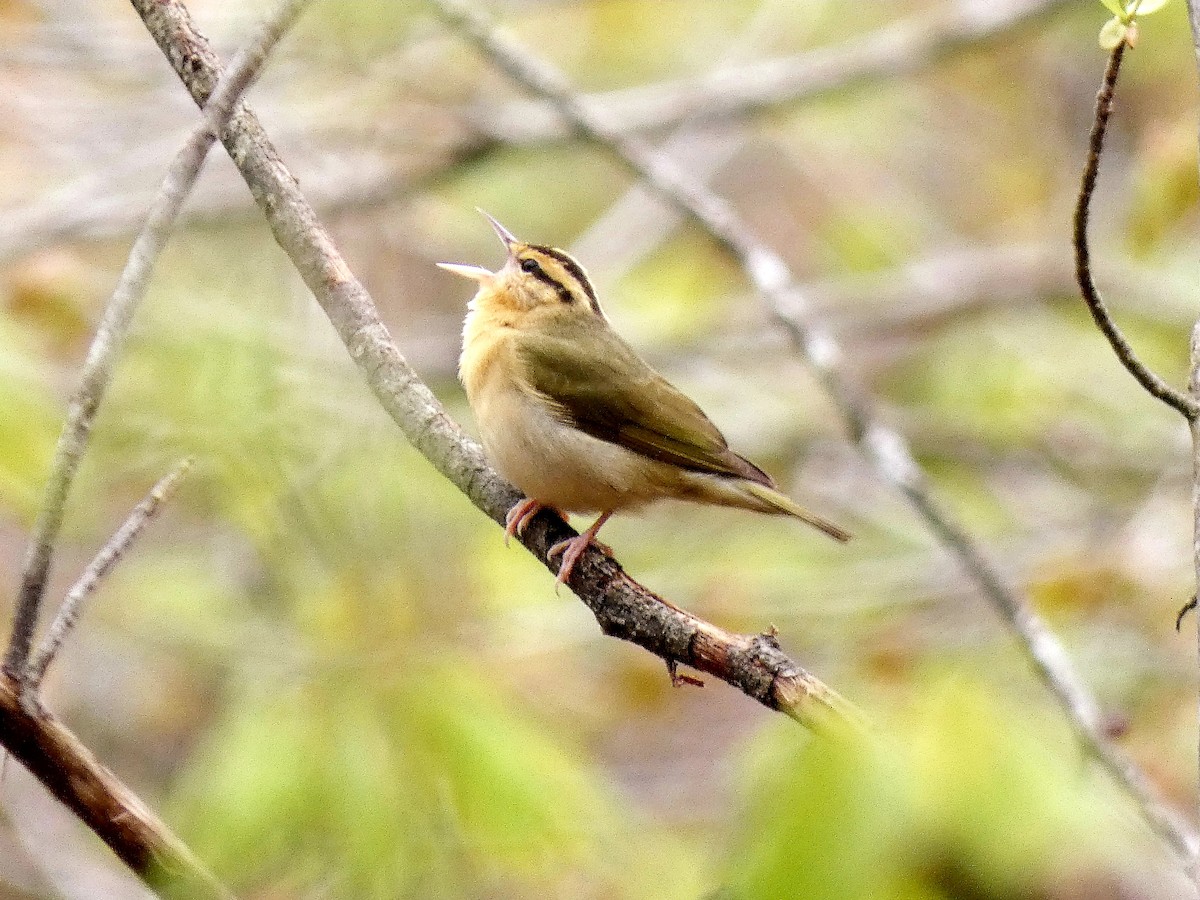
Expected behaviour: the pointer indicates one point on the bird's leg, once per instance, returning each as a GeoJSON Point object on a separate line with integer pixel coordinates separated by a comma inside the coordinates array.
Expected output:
{"type": "Point", "coordinates": [518, 517]}
{"type": "Point", "coordinates": [572, 548]}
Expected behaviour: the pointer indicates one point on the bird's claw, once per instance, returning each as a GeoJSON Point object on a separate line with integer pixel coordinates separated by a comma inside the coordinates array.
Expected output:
{"type": "Point", "coordinates": [518, 518]}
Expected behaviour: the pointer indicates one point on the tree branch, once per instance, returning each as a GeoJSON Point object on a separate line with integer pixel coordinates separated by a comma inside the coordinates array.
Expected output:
{"type": "Point", "coordinates": [72, 774]}
{"type": "Point", "coordinates": [624, 609]}
{"type": "Point", "coordinates": [1193, 7]}
{"type": "Point", "coordinates": [1184, 404]}
{"type": "Point", "coordinates": [109, 555]}
{"type": "Point", "coordinates": [46, 748]}
{"type": "Point", "coordinates": [885, 448]}
{"type": "Point", "coordinates": [114, 324]}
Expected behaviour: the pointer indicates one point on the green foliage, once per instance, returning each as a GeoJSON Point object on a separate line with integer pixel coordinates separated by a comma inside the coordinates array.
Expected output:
{"type": "Point", "coordinates": [964, 796]}
{"type": "Point", "coordinates": [417, 785]}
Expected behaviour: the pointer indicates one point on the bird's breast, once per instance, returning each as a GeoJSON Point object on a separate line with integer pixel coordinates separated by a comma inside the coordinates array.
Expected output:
{"type": "Point", "coordinates": [531, 446]}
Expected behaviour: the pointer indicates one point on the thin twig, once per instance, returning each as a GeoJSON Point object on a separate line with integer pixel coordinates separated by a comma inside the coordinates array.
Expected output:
{"type": "Point", "coordinates": [884, 447]}
{"type": "Point", "coordinates": [88, 209]}
{"type": "Point", "coordinates": [1193, 7]}
{"type": "Point", "coordinates": [1083, 265]}
{"type": "Point", "coordinates": [68, 614]}
{"type": "Point", "coordinates": [1194, 390]}
{"type": "Point", "coordinates": [623, 608]}
{"type": "Point", "coordinates": [114, 323]}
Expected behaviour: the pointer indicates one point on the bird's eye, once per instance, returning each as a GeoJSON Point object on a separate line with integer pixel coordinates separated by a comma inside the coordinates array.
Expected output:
{"type": "Point", "coordinates": [530, 265]}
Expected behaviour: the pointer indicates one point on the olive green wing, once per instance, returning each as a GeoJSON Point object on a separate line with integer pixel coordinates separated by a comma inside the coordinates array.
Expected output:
{"type": "Point", "coordinates": [599, 385]}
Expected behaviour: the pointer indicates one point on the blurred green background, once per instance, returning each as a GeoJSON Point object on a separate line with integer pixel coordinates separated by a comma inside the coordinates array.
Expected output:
{"type": "Point", "coordinates": [322, 666]}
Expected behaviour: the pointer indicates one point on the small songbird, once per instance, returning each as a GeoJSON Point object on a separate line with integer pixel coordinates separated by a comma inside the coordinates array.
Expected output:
{"type": "Point", "coordinates": [572, 416]}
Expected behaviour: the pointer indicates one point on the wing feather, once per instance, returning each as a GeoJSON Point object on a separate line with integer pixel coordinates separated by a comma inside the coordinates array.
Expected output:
{"type": "Point", "coordinates": [599, 385]}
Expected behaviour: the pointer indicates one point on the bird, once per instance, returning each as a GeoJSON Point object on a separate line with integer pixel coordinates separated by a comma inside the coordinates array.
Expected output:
{"type": "Point", "coordinates": [575, 419]}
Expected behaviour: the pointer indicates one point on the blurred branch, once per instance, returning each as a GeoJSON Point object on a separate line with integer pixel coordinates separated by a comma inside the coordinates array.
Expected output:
{"type": "Point", "coordinates": [87, 208]}
{"type": "Point", "coordinates": [109, 555]}
{"type": "Point", "coordinates": [897, 49]}
{"type": "Point", "coordinates": [884, 447]}
{"type": "Point", "coordinates": [110, 334]}
{"type": "Point", "coordinates": [27, 731]}
{"type": "Point", "coordinates": [1194, 423]}
{"type": "Point", "coordinates": [624, 609]}
{"type": "Point", "coordinates": [1186, 405]}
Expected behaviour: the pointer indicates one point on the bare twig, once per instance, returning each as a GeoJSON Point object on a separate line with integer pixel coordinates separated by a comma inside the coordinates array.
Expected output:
{"type": "Point", "coordinates": [1193, 7]}
{"type": "Point", "coordinates": [1194, 389]}
{"type": "Point", "coordinates": [623, 608]}
{"type": "Point", "coordinates": [886, 449]}
{"type": "Point", "coordinates": [1186, 405]}
{"type": "Point", "coordinates": [98, 568]}
{"type": "Point", "coordinates": [110, 335]}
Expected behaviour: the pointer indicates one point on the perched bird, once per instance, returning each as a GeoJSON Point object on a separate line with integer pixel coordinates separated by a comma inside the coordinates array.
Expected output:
{"type": "Point", "coordinates": [572, 416]}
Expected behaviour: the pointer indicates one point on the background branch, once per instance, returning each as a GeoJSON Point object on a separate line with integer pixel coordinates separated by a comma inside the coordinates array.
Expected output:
{"type": "Point", "coordinates": [886, 449]}
{"type": "Point", "coordinates": [624, 609]}
{"type": "Point", "coordinates": [110, 554]}
{"type": "Point", "coordinates": [114, 324]}
{"type": "Point", "coordinates": [47, 749]}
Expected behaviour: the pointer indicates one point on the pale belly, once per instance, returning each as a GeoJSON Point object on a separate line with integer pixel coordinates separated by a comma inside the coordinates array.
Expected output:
{"type": "Point", "coordinates": [561, 466]}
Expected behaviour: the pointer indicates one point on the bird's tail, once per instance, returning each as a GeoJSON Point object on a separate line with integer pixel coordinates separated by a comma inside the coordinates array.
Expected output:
{"type": "Point", "coordinates": [776, 503]}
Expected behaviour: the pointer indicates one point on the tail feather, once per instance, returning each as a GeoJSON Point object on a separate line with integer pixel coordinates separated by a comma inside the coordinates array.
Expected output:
{"type": "Point", "coordinates": [775, 502]}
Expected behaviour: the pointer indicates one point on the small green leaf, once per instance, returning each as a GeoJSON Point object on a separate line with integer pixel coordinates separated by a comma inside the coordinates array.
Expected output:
{"type": "Point", "coordinates": [1112, 34]}
{"type": "Point", "coordinates": [1146, 7]}
{"type": "Point", "coordinates": [1116, 7]}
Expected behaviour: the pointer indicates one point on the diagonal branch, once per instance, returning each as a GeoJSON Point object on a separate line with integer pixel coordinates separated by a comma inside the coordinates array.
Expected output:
{"type": "Point", "coordinates": [106, 347]}
{"type": "Point", "coordinates": [72, 774]}
{"type": "Point", "coordinates": [624, 609]}
{"type": "Point", "coordinates": [884, 447]}
{"type": "Point", "coordinates": [46, 748]}
{"type": "Point", "coordinates": [1177, 400]}
{"type": "Point", "coordinates": [109, 555]}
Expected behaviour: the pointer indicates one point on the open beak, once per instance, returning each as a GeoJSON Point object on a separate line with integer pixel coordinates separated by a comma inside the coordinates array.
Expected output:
{"type": "Point", "coordinates": [475, 273]}
{"type": "Point", "coordinates": [479, 273]}
{"type": "Point", "coordinates": [503, 233]}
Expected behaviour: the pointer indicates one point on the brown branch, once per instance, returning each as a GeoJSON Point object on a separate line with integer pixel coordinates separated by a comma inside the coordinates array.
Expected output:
{"type": "Point", "coordinates": [72, 774]}
{"type": "Point", "coordinates": [1153, 384]}
{"type": "Point", "coordinates": [884, 447]}
{"type": "Point", "coordinates": [624, 609]}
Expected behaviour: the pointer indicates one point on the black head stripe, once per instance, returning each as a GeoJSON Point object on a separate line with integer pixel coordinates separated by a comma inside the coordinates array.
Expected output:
{"type": "Point", "coordinates": [572, 267]}
{"type": "Point", "coordinates": [541, 275]}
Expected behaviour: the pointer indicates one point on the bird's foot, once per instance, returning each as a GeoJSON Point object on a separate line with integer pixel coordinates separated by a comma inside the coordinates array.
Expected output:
{"type": "Point", "coordinates": [518, 517]}
{"type": "Point", "coordinates": [573, 548]}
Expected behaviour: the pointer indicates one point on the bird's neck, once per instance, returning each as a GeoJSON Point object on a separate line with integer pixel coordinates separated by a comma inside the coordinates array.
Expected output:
{"type": "Point", "coordinates": [487, 331]}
